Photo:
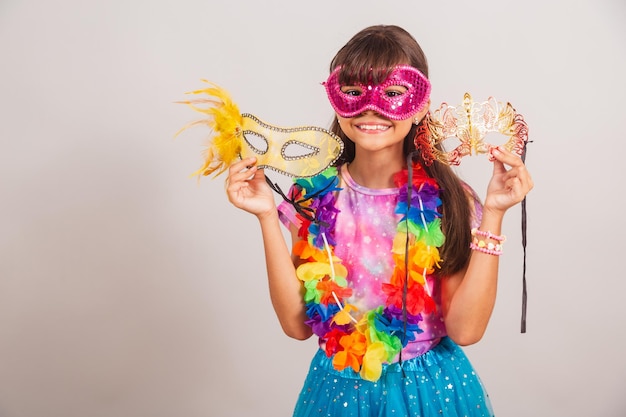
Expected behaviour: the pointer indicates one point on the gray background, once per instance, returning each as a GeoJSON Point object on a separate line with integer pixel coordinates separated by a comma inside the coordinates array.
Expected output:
{"type": "Point", "coordinates": [129, 289]}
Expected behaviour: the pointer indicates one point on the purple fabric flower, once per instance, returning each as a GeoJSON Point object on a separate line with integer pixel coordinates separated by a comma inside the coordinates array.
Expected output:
{"type": "Point", "coordinates": [391, 322]}
{"type": "Point", "coordinates": [429, 196]}
{"type": "Point", "coordinates": [325, 216]}
{"type": "Point", "coordinates": [320, 317]}
{"type": "Point", "coordinates": [394, 312]}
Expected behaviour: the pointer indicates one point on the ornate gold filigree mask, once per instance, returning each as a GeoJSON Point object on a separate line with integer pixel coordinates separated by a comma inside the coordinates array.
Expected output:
{"type": "Point", "coordinates": [470, 123]}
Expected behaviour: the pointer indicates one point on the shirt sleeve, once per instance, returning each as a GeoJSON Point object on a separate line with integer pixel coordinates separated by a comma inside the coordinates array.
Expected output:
{"type": "Point", "coordinates": [476, 215]}
{"type": "Point", "coordinates": [287, 213]}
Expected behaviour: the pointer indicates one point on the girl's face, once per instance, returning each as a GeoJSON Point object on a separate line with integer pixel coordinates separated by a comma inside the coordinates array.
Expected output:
{"type": "Point", "coordinates": [377, 116]}
{"type": "Point", "coordinates": [371, 131]}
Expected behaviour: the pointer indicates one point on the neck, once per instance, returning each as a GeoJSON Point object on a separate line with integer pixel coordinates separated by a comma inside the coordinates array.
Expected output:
{"type": "Point", "coordinates": [375, 172]}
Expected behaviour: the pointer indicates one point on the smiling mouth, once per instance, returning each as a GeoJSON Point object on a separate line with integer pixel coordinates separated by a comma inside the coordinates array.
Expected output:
{"type": "Point", "coordinates": [373, 127]}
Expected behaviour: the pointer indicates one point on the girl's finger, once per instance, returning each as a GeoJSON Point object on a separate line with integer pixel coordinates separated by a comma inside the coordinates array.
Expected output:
{"type": "Point", "coordinates": [242, 170]}
{"type": "Point", "coordinates": [506, 157]}
{"type": "Point", "coordinates": [522, 174]}
{"type": "Point", "coordinates": [498, 168]}
{"type": "Point", "coordinates": [241, 165]}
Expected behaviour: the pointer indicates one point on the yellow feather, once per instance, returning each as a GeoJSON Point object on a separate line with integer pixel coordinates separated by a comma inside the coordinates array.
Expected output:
{"type": "Point", "coordinates": [225, 121]}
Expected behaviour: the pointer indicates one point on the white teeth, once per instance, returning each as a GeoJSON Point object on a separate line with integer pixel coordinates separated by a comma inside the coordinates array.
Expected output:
{"type": "Point", "coordinates": [373, 127]}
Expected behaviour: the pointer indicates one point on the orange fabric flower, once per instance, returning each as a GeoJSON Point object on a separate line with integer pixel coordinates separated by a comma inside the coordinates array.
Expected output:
{"type": "Point", "coordinates": [354, 346]}
{"type": "Point", "coordinates": [327, 287]}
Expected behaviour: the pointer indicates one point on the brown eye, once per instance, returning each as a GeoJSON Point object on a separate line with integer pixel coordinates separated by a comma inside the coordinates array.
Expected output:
{"type": "Point", "coordinates": [395, 91]}
{"type": "Point", "coordinates": [351, 91]}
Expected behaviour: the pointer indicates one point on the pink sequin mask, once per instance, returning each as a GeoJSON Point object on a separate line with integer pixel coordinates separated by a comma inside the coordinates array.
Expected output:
{"type": "Point", "coordinates": [381, 98]}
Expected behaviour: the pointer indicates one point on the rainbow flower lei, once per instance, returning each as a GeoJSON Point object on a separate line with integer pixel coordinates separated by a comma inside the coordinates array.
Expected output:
{"type": "Point", "coordinates": [381, 333]}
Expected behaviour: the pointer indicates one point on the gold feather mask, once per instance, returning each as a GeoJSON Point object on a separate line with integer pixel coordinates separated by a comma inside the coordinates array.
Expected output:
{"type": "Point", "coordinates": [296, 151]}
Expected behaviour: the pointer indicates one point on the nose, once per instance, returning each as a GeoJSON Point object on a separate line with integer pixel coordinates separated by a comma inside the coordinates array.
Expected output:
{"type": "Point", "coordinates": [370, 112]}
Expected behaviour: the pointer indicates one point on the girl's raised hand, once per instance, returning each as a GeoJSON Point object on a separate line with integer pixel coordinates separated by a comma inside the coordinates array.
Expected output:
{"type": "Point", "coordinates": [246, 188]}
{"type": "Point", "coordinates": [507, 187]}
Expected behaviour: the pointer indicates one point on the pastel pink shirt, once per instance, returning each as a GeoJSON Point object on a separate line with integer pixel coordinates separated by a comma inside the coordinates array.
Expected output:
{"type": "Point", "coordinates": [364, 232]}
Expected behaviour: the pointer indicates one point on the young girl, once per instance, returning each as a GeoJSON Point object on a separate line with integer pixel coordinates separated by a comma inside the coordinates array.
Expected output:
{"type": "Point", "coordinates": [394, 263]}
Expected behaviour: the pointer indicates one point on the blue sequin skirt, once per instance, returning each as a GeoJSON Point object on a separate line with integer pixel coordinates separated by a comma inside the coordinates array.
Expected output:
{"type": "Point", "coordinates": [441, 382]}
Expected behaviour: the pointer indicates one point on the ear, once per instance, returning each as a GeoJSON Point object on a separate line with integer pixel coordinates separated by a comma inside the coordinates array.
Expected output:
{"type": "Point", "coordinates": [420, 114]}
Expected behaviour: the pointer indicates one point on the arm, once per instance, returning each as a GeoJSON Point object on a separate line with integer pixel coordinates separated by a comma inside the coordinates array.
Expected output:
{"type": "Point", "coordinates": [468, 297]}
{"type": "Point", "coordinates": [248, 191]}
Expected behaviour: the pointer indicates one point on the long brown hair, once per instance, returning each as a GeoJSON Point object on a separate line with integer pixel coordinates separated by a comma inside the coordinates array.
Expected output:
{"type": "Point", "coordinates": [370, 56]}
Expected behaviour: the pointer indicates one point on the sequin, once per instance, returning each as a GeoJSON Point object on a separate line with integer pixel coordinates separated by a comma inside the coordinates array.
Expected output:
{"type": "Point", "coordinates": [415, 388]}
{"type": "Point", "coordinates": [437, 379]}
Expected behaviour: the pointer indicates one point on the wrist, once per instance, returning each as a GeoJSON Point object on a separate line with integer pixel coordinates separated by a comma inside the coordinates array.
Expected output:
{"type": "Point", "coordinates": [491, 221]}
{"type": "Point", "coordinates": [493, 213]}
{"type": "Point", "coordinates": [268, 216]}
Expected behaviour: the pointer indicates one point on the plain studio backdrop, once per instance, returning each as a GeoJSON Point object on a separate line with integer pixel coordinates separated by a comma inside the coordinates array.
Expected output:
{"type": "Point", "coordinates": [130, 289]}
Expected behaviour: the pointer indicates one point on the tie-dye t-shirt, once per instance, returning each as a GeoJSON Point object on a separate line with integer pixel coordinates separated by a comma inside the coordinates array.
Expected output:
{"type": "Point", "coordinates": [364, 232]}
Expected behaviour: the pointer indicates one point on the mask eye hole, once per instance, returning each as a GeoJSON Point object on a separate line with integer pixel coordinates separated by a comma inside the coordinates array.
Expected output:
{"type": "Point", "coordinates": [450, 144]}
{"type": "Point", "coordinates": [353, 91]}
{"type": "Point", "coordinates": [293, 150]}
{"type": "Point", "coordinates": [257, 142]}
{"type": "Point", "coordinates": [394, 91]}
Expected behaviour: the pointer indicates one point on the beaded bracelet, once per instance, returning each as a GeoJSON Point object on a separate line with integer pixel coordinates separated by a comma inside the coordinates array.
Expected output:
{"type": "Point", "coordinates": [489, 249]}
{"type": "Point", "coordinates": [488, 235]}
{"type": "Point", "coordinates": [487, 245]}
